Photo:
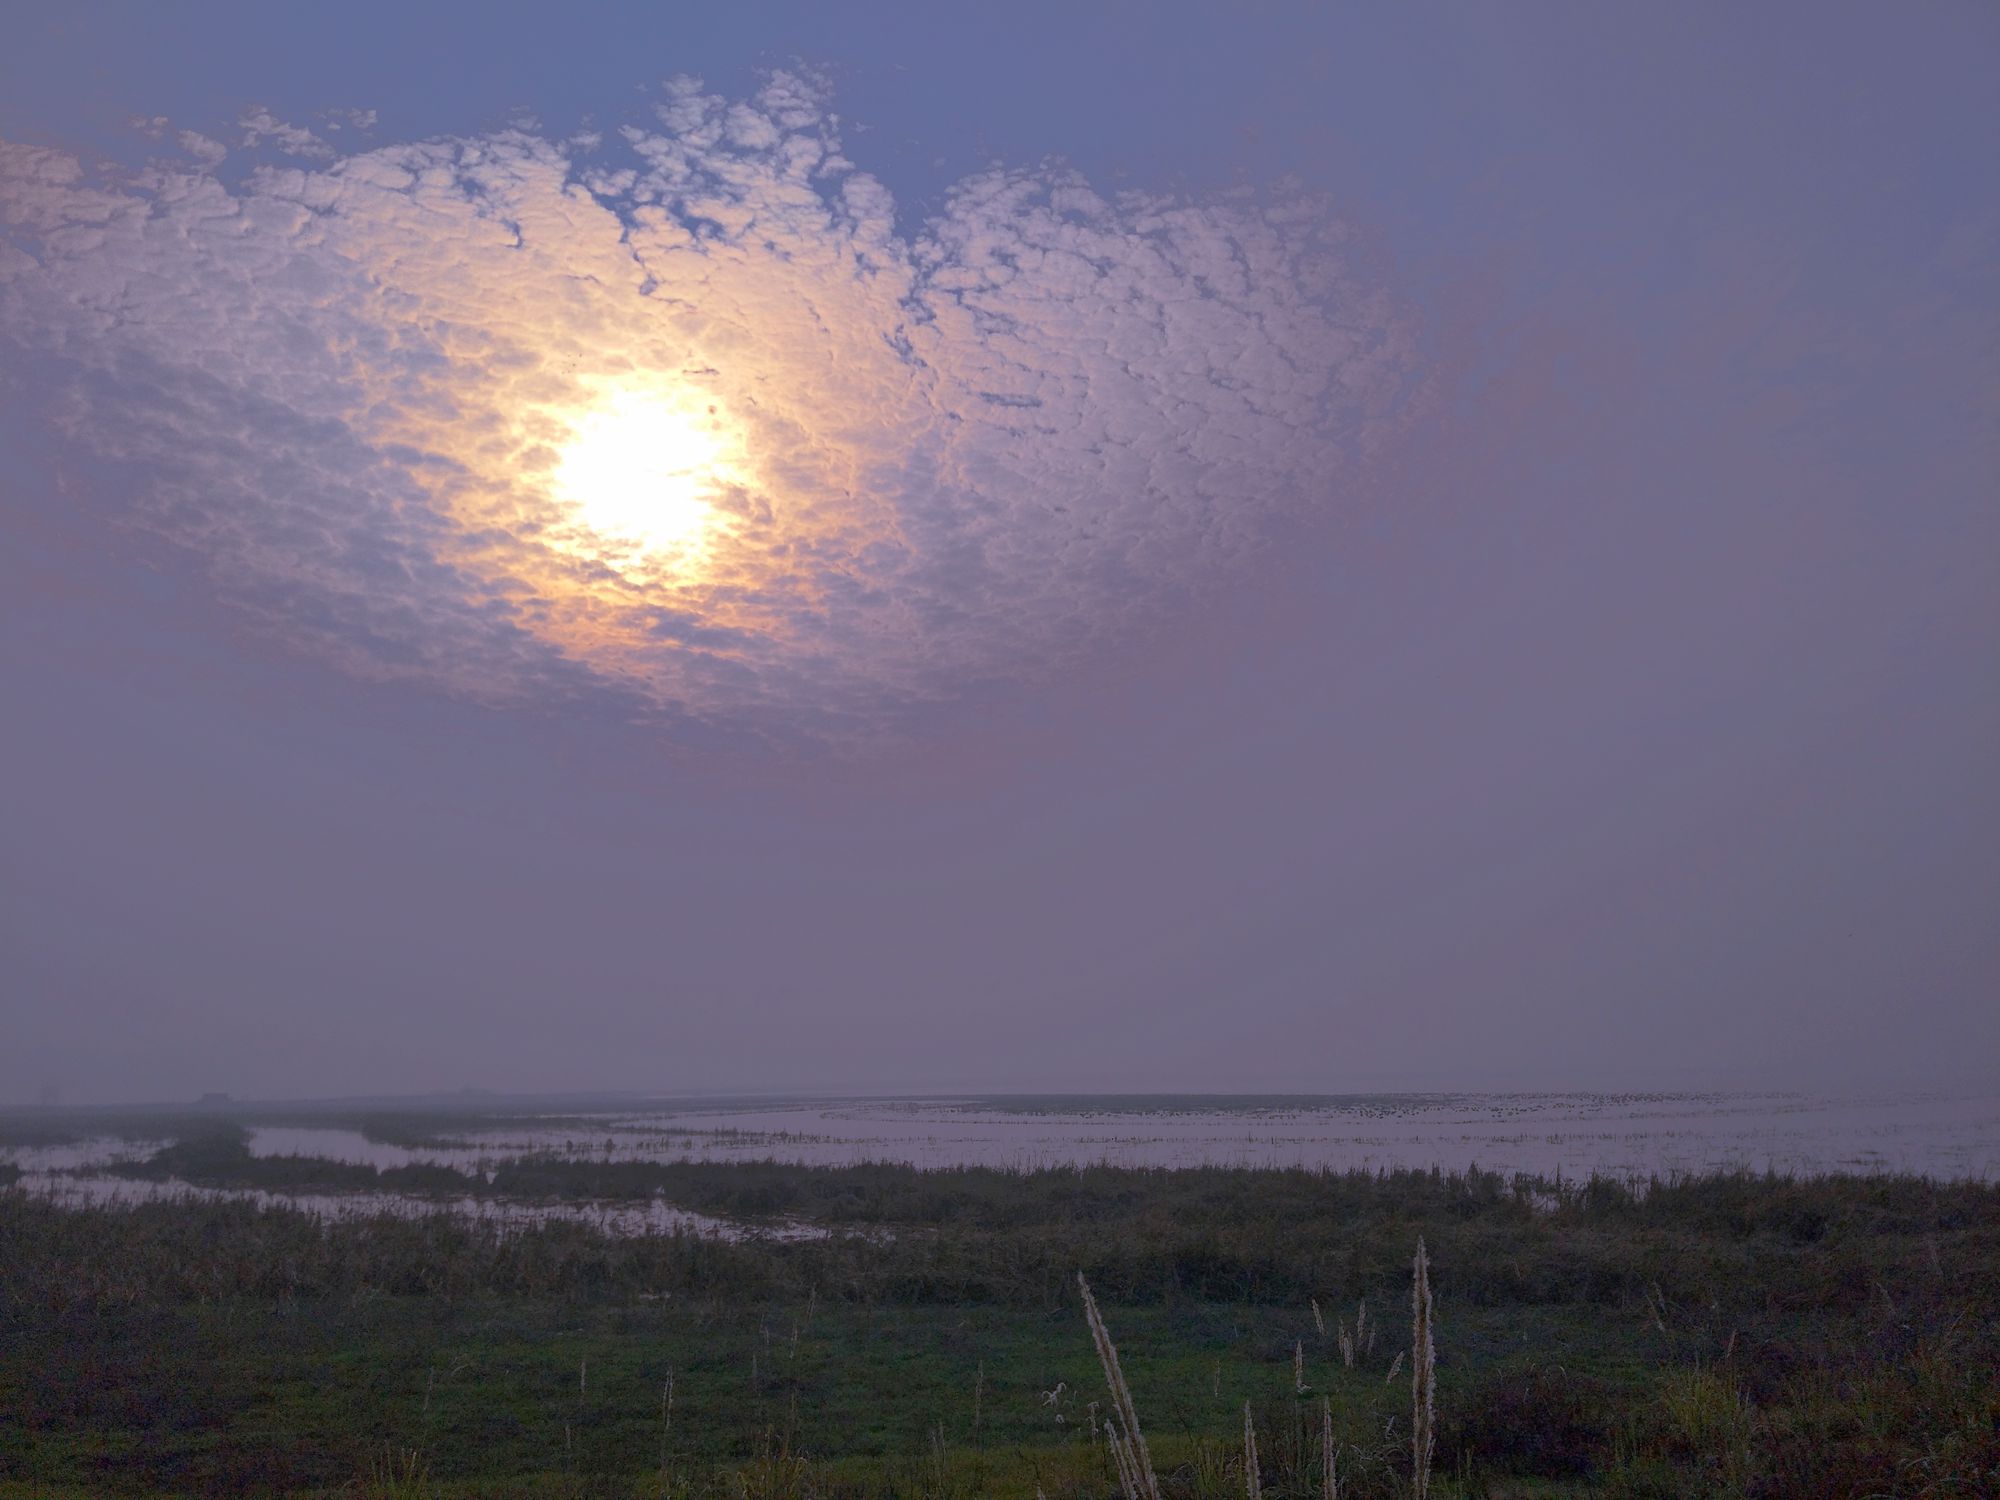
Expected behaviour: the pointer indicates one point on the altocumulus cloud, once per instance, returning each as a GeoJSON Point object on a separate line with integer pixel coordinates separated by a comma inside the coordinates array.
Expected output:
{"type": "Point", "coordinates": [970, 451]}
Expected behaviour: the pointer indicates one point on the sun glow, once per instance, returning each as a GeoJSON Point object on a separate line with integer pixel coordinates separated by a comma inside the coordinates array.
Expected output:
{"type": "Point", "coordinates": [643, 471]}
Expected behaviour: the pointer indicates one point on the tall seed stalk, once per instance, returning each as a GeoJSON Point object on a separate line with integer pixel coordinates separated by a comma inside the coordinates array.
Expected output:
{"type": "Point", "coordinates": [1253, 1482]}
{"type": "Point", "coordinates": [1146, 1485]}
{"type": "Point", "coordinates": [1329, 1455]}
{"type": "Point", "coordinates": [1423, 1376]}
{"type": "Point", "coordinates": [666, 1424]}
{"type": "Point", "coordinates": [1121, 1459]}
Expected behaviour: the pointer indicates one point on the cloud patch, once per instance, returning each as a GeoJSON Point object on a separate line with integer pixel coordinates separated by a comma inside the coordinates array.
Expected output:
{"type": "Point", "coordinates": [972, 450]}
{"type": "Point", "coordinates": [260, 125]}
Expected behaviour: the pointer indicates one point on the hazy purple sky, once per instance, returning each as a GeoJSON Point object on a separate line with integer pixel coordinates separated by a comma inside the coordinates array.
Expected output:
{"type": "Point", "coordinates": [1427, 547]}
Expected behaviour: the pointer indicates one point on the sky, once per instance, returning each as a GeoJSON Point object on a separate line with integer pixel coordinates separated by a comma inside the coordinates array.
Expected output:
{"type": "Point", "coordinates": [1068, 548]}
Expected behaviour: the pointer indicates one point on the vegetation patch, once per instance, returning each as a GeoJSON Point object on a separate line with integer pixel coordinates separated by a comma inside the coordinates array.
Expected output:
{"type": "Point", "coordinates": [1727, 1335]}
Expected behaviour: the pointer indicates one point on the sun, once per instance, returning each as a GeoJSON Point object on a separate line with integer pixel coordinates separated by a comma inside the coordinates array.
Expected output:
{"type": "Point", "coordinates": [642, 470]}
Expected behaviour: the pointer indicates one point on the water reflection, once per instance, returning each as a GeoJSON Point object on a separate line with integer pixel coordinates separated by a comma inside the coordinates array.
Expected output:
{"type": "Point", "coordinates": [623, 1219]}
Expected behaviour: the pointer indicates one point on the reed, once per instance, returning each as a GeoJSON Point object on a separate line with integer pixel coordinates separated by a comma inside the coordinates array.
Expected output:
{"type": "Point", "coordinates": [666, 1423]}
{"type": "Point", "coordinates": [1145, 1482]}
{"type": "Point", "coordinates": [1121, 1460]}
{"type": "Point", "coordinates": [1329, 1454]}
{"type": "Point", "coordinates": [1423, 1376]}
{"type": "Point", "coordinates": [1253, 1482]}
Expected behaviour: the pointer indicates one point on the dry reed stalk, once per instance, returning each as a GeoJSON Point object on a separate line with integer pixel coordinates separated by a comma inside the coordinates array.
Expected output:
{"type": "Point", "coordinates": [1346, 1347]}
{"type": "Point", "coordinates": [1299, 1368]}
{"type": "Point", "coordinates": [1253, 1482]}
{"type": "Point", "coordinates": [1147, 1484]}
{"type": "Point", "coordinates": [1423, 1376]}
{"type": "Point", "coordinates": [1318, 1321]}
{"type": "Point", "coordinates": [1121, 1459]}
{"type": "Point", "coordinates": [1131, 1467]}
{"type": "Point", "coordinates": [666, 1422]}
{"type": "Point", "coordinates": [1361, 1325]}
{"type": "Point", "coordinates": [1329, 1455]}
{"type": "Point", "coordinates": [1394, 1365]}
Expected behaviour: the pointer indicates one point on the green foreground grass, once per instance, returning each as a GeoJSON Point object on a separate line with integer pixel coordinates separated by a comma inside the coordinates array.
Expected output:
{"type": "Point", "coordinates": [1729, 1335]}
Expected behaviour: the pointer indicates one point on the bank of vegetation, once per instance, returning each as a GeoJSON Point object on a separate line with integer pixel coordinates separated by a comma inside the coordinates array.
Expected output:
{"type": "Point", "coordinates": [1730, 1334]}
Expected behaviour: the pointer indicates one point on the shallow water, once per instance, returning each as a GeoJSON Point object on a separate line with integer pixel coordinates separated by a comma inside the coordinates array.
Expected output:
{"type": "Point", "coordinates": [1627, 1136]}
{"type": "Point", "coordinates": [97, 1151]}
{"type": "Point", "coordinates": [654, 1216]}
{"type": "Point", "coordinates": [1943, 1135]}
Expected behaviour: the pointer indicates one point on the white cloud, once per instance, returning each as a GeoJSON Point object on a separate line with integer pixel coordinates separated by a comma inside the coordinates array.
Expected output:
{"type": "Point", "coordinates": [204, 149]}
{"type": "Point", "coordinates": [260, 125]}
{"type": "Point", "coordinates": [972, 452]}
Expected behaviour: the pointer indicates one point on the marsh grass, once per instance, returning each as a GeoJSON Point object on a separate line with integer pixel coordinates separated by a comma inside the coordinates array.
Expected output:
{"type": "Point", "coordinates": [1711, 1424]}
{"type": "Point", "coordinates": [1737, 1335]}
{"type": "Point", "coordinates": [397, 1474]}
